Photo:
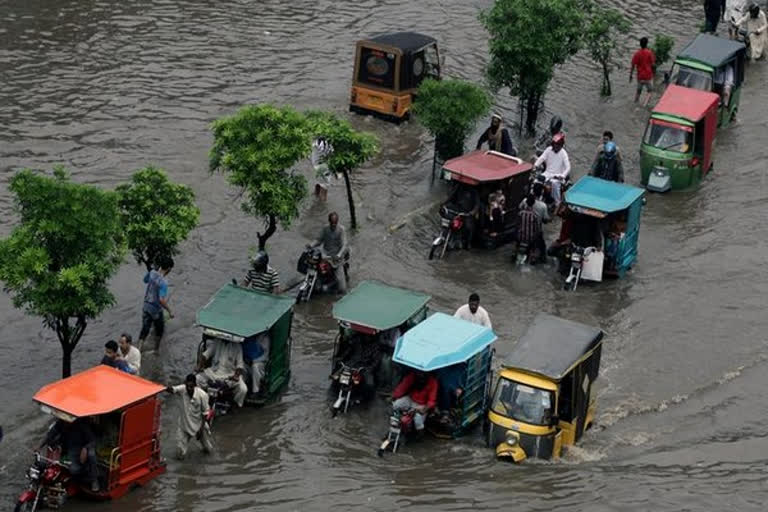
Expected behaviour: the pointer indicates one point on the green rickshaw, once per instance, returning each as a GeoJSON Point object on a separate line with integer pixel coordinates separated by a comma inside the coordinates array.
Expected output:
{"type": "Point", "coordinates": [247, 317]}
{"type": "Point", "coordinates": [713, 64]}
{"type": "Point", "coordinates": [371, 318]}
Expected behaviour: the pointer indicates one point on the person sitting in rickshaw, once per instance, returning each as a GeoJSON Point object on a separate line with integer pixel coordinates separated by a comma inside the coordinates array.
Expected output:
{"type": "Point", "coordinates": [497, 204]}
{"type": "Point", "coordinates": [227, 367]}
{"type": "Point", "coordinates": [416, 392]}
{"type": "Point", "coordinates": [450, 389]}
{"type": "Point", "coordinates": [724, 79]}
{"type": "Point", "coordinates": [607, 164]}
{"type": "Point", "coordinates": [497, 137]}
{"type": "Point", "coordinates": [362, 350]}
{"type": "Point", "coordinates": [255, 356]}
{"type": "Point", "coordinates": [78, 443]}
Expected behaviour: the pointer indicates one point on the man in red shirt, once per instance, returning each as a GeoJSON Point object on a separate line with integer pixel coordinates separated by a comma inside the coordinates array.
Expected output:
{"type": "Point", "coordinates": [644, 60]}
{"type": "Point", "coordinates": [417, 391]}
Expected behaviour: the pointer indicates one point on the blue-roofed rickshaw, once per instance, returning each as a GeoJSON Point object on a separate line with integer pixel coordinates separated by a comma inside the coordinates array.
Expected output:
{"type": "Point", "coordinates": [371, 318]}
{"type": "Point", "coordinates": [544, 398]}
{"type": "Point", "coordinates": [259, 324]}
{"type": "Point", "coordinates": [600, 231]}
{"type": "Point", "coordinates": [454, 354]}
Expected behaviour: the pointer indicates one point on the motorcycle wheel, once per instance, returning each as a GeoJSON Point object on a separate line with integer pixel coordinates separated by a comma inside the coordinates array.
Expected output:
{"type": "Point", "coordinates": [432, 252]}
{"type": "Point", "coordinates": [25, 506]}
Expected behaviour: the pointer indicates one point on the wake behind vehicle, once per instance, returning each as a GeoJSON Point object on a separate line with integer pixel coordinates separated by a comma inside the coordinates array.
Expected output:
{"type": "Point", "coordinates": [704, 65]}
{"type": "Point", "coordinates": [240, 315]}
{"type": "Point", "coordinates": [458, 353]}
{"type": "Point", "coordinates": [371, 317]}
{"type": "Point", "coordinates": [603, 225]}
{"type": "Point", "coordinates": [676, 151]}
{"type": "Point", "coordinates": [388, 70]}
{"type": "Point", "coordinates": [123, 413]}
{"type": "Point", "coordinates": [544, 397]}
{"type": "Point", "coordinates": [479, 175]}
{"type": "Point", "coordinates": [319, 273]}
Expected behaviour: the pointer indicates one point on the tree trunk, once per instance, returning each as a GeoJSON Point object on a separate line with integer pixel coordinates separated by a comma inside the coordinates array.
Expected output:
{"type": "Point", "coordinates": [271, 228]}
{"type": "Point", "coordinates": [351, 200]}
{"type": "Point", "coordinates": [606, 91]}
{"type": "Point", "coordinates": [532, 112]}
{"type": "Point", "coordinates": [66, 361]}
{"type": "Point", "coordinates": [68, 338]}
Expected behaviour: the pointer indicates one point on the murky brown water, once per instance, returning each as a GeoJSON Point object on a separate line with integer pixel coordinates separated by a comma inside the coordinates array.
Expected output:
{"type": "Point", "coordinates": [107, 87]}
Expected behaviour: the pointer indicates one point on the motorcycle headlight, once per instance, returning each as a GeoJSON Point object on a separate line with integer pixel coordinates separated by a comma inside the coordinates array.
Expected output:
{"type": "Point", "coordinates": [33, 473]}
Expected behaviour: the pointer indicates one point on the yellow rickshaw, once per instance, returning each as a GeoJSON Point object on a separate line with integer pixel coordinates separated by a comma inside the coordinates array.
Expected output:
{"type": "Point", "coordinates": [544, 399]}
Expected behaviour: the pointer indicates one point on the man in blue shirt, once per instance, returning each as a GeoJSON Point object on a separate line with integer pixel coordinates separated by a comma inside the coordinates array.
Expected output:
{"type": "Point", "coordinates": [155, 301]}
{"type": "Point", "coordinates": [111, 359]}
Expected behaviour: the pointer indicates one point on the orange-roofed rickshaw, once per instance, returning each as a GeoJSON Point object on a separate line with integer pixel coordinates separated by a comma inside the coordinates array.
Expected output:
{"type": "Point", "coordinates": [106, 438]}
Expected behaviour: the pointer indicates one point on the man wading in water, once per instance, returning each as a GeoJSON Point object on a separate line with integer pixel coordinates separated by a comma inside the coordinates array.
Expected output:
{"type": "Point", "coordinates": [155, 301]}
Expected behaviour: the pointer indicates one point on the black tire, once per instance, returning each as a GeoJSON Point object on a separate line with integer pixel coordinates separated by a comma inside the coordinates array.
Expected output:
{"type": "Point", "coordinates": [23, 506]}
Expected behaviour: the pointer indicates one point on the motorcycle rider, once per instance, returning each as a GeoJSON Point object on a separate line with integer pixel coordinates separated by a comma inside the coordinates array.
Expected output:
{"type": "Point", "coordinates": [557, 167]}
{"type": "Point", "coordinates": [497, 137]}
{"type": "Point", "coordinates": [78, 441]}
{"type": "Point", "coordinates": [607, 164]}
{"type": "Point", "coordinates": [416, 392]}
{"type": "Point", "coordinates": [262, 277]}
{"type": "Point", "coordinates": [333, 238]}
{"type": "Point", "coordinates": [756, 25]}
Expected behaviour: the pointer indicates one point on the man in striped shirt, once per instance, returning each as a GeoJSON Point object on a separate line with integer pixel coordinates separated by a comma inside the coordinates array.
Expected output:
{"type": "Point", "coordinates": [530, 230]}
{"type": "Point", "coordinates": [262, 277]}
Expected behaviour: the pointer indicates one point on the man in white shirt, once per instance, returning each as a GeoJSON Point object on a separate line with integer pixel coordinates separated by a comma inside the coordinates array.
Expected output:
{"type": "Point", "coordinates": [227, 366]}
{"type": "Point", "coordinates": [130, 354]}
{"type": "Point", "coordinates": [192, 420]}
{"type": "Point", "coordinates": [558, 166]}
{"type": "Point", "coordinates": [472, 312]}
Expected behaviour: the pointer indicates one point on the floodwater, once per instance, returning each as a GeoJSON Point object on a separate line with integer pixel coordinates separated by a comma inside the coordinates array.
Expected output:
{"type": "Point", "coordinates": [107, 87]}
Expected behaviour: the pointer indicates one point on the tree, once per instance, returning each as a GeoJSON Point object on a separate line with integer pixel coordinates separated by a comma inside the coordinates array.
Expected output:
{"type": "Point", "coordinates": [449, 109]}
{"type": "Point", "coordinates": [57, 261]}
{"type": "Point", "coordinates": [662, 49]}
{"type": "Point", "coordinates": [350, 149]}
{"type": "Point", "coordinates": [157, 215]}
{"type": "Point", "coordinates": [257, 149]}
{"type": "Point", "coordinates": [527, 40]}
{"type": "Point", "coordinates": [604, 26]}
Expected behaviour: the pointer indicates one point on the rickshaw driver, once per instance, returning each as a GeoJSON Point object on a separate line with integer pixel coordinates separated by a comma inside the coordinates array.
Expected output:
{"type": "Point", "coordinates": [557, 166]}
{"type": "Point", "coordinates": [607, 164]}
{"type": "Point", "coordinates": [79, 443]}
{"type": "Point", "coordinates": [416, 392]}
{"type": "Point", "coordinates": [468, 203]}
{"type": "Point", "coordinates": [333, 238]}
{"type": "Point", "coordinates": [227, 366]}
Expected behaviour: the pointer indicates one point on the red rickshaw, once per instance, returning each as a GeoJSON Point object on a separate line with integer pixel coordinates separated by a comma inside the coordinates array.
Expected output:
{"type": "Point", "coordinates": [123, 413]}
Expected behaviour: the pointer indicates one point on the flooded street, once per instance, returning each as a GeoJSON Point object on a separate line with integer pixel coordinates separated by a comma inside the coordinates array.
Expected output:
{"type": "Point", "coordinates": [108, 87]}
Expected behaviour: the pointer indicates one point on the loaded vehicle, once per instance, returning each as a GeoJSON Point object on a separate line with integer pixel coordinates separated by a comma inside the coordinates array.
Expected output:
{"type": "Point", "coordinates": [676, 151]}
{"type": "Point", "coordinates": [544, 396]}
{"type": "Point", "coordinates": [319, 273]}
{"type": "Point", "coordinates": [710, 64]}
{"type": "Point", "coordinates": [245, 317]}
{"type": "Point", "coordinates": [487, 188]}
{"type": "Point", "coordinates": [120, 414]}
{"type": "Point", "coordinates": [388, 70]}
{"type": "Point", "coordinates": [601, 228]}
{"type": "Point", "coordinates": [371, 318]}
{"type": "Point", "coordinates": [458, 354]}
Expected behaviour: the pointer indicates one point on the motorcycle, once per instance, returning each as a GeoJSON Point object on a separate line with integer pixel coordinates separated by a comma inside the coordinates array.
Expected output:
{"type": "Point", "coordinates": [538, 176]}
{"type": "Point", "coordinates": [220, 399]}
{"type": "Point", "coordinates": [400, 426]}
{"type": "Point", "coordinates": [319, 272]}
{"type": "Point", "coordinates": [50, 483]}
{"type": "Point", "coordinates": [451, 234]}
{"type": "Point", "coordinates": [349, 379]}
{"type": "Point", "coordinates": [743, 37]}
{"type": "Point", "coordinates": [578, 256]}
{"type": "Point", "coordinates": [545, 139]}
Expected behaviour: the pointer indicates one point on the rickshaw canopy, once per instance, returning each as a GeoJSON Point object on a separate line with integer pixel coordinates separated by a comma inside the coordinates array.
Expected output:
{"type": "Point", "coordinates": [441, 340]}
{"type": "Point", "coordinates": [690, 104]}
{"type": "Point", "coordinates": [406, 42]}
{"type": "Point", "coordinates": [98, 390]}
{"type": "Point", "coordinates": [242, 311]}
{"type": "Point", "coordinates": [379, 306]}
{"type": "Point", "coordinates": [711, 50]}
{"type": "Point", "coordinates": [485, 166]}
{"type": "Point", "coordinates": [602, 195]}
{"type": "Point", "coordinates": [552, 346]}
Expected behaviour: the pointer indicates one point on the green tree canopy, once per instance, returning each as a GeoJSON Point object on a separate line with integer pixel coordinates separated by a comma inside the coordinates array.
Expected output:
{"type": "Point", "coordinates": [527, 40]}
{"type": "Point", "coordinates": [57, 261]}
{"type": "Point", "coordinates": [604, 27]}
{"type": "Point", "coordinates": [157, 215]}
{"type": "Point", "coordinates": [351, 148]}
{"type": "Point", "coordinates": [257, 149]}
{"type": "Point", "coordinates": [662, 48]}
{"type": "Point", "coordinates": [449, 110]}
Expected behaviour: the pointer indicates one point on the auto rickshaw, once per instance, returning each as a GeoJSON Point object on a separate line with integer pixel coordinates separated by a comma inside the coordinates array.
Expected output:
{"type": "Point", "coordinates": [458, 353]}
{"type": "Point", "coordinates": [601, 228]}
{"type": "Point", "coordinates": [371, 318]}
{"type": "Point", "coordinates": [491, 183]}
{"type": "Point", "coordinates": [388, 71]}
{"type": "Point", "coordinates": [707, 64]}
{"type": "Point", "coordinates": [241, 315]}
{"type": "Point", "coordinates": [123, 413]}
{"type": "Point", "coordinates": [544, 397]}
{"type": "Point", "coordinates": [676, 151]}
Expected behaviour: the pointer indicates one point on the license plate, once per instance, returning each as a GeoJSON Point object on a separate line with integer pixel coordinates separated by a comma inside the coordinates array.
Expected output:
{"type": "Point", "coordinates": [445, 223]}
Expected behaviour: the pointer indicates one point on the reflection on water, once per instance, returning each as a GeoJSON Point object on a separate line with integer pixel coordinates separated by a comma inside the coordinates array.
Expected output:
{"type": "Point", "coordinates": [107, 87]}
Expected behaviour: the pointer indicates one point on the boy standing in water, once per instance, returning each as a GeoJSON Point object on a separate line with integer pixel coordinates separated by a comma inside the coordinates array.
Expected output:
{"type": "Point", "coordinates": [644, 60]}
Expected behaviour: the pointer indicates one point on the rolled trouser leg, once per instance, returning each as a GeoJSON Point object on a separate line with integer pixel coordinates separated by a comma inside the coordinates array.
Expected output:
{"type": "Point", "coordinates": [182, 443]}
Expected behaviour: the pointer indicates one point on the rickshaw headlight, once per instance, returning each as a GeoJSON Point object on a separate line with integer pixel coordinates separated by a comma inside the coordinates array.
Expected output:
{"type": "Point", "coordinates": [512, 439]}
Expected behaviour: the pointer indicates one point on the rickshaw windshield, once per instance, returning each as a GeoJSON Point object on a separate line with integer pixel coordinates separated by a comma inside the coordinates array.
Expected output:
{"type": "Point", "coordinates": [668, 136]}
{"type": "Point", "coordinates": [377, 68]}
{"type": "Point", "coordinates": [523, 403]}
{"type": "Point", "coordinates": [691, 78]}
